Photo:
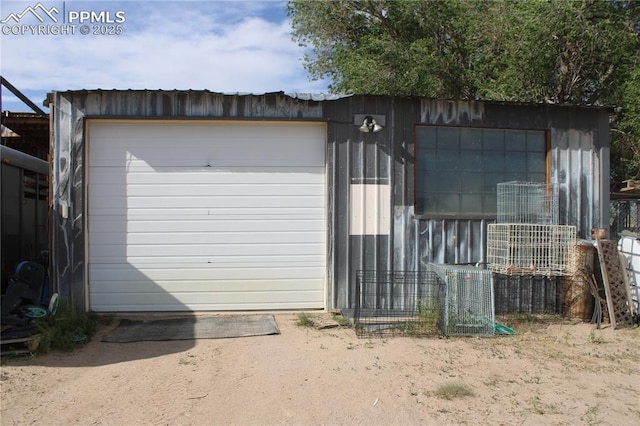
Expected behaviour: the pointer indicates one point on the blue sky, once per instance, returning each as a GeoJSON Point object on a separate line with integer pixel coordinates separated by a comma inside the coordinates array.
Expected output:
{"type": "Point", "coordinates": [222, 46]}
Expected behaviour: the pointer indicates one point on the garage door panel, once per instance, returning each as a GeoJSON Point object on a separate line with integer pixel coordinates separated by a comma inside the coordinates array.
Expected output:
{"type": "Point", "coordinates": [226, 261]}
{"type": "Point", "coordinates": [239, 202]}
{"type": "Point", "coordinates": [233, 175]}
{"type": "Point", "coordinates": [240, 147]}
{"type": "Point", "coordinates": [219, 286]}
{"type": "Point", "coordinates": [121, 227]}
{"type": "Point", "coordinates": [205, 175]}
{"type": "Point", "coordinates": [179, 250]}
{"type": "Point", "coordinates": [150, 163]}
{"type": "Point", "coordinates": [235, 153]}
{"type": "Point", "coordinates": [208, 190]}
{"type": "Point", "coordinates": [214, 273]}
{"type": "Point", "coordinates": [164, 302]}
{"type": "Point", "coordinates": [228, 189]}
{"type": "Point", "coordinates": [206, 215]}
{"type": "Point", "coordinates": [195, 298]}
{"type": "Point", "coordinates": [166, 239]}
{"type": "Point", "coordinates": [222, 213]}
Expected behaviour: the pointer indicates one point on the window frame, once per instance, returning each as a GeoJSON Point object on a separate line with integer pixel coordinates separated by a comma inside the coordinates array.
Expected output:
{"type": "Point", "coordinates": [459, 215]}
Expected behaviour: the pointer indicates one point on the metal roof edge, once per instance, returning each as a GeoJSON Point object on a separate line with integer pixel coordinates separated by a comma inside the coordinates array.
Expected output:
{"type": "Point", "coordinates": [322, 97]}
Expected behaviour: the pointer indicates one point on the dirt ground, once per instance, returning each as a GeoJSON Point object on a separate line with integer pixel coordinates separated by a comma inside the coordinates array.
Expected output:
{"type": "Point", "coordinates": [551, 372]}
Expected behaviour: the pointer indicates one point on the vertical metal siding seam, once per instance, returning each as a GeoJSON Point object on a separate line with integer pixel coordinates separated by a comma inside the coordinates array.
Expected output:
{"type": "Point", "coordinates": [602, 202]}
{"type": "Point", "coordinates": [430, 257]}
{"type": "Point", "coordinates": [570, 178]}
{"type": "Point", "coordinates": [376, 219]}
{"type": "Point", "coordinates": [392, 175]}
{"type": "Point", "coordinates": [443, 241]}
{"type": "Point", "coordinates": [483, 226]}
{"type": "Point", "coordinates": [416, 244]}
{"type": "Point", "coordinates": [470, 240]}
{"type": "Point", "coordinates": [331, 171]}
{"type": "Point", "coordinates": [347, 219]}
{"type": "Point", "coordinates": [579, 154]}
{"type": "Point", "coordinates": [362, 179]}
{"type": "Point", "coordinates": [456, 245]}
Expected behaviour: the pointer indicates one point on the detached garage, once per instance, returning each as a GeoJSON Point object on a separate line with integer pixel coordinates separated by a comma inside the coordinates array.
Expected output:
{"type": "Point", "coordinates": [194, 201]}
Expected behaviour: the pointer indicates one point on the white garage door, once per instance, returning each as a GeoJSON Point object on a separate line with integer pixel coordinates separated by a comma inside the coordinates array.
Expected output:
{"type": "Point", "coordinates": [200, 215]}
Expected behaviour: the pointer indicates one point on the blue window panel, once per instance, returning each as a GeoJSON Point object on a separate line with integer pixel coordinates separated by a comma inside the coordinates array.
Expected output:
{"type": "Point", "coordinates": [471, 182]}
{"type": "Point", "coordinates": [472, 203]}
{"type": "Point", "coordinates": [493, 140]}
{"type": "Point", "coordinates": [449, 182]}
{"type": "Point", "coordinates": [458, 169]}
{"type": "Point", "coordinates": [448, 203]}
{"type": "Point", "coordinates": [427, 137]}
{"type": "Point", "coordinates": [448, 138]}
{"type": "Point", "coordinates": [536, 163]}
{"type": "Point", "coordinates": [493, 162]}
{"type": "Point", "coordinates": [471, 161]}
{"type": "Point", "coordinates": [536, 141]}
{"type": "Point", "coordinates": [515, 141]}
{"type": "Point", "coordinates": [516, 163]}
{"type": "Point", "coordinates": [448, 160]}
{"type": "Point", "coordinates": [470, 139]}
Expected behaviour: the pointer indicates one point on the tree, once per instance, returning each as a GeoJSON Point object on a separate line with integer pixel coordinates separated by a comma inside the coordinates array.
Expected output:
{"type": "Point", "coordinates": [625, 150]}
{"type": "Point", "coordinates": [556, 51]}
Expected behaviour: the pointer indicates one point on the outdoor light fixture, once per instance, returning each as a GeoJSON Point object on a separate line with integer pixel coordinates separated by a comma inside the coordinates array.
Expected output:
{"type": "Point", "coordinates": [369, 124]}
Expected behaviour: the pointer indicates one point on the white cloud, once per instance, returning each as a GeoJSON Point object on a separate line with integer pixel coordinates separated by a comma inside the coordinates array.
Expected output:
{"type": "Point", "coordinates": [222, 46]}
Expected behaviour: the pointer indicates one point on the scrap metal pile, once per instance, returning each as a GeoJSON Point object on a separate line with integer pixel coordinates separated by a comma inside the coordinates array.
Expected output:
{"type": "Point", "coordinates": [26, 298]}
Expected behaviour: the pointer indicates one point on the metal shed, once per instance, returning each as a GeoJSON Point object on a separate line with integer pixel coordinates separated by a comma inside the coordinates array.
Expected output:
{"type": "Point", "coordinates": [407, 194]}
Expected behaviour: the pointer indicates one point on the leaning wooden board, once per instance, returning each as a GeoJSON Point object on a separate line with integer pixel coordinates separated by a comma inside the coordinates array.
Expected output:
{"type": "Point", "coordinates": [615, 284]}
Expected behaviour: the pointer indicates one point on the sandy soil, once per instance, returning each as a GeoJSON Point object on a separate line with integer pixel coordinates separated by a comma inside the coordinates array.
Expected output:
{"type": "Point", "coordinates": [550, 373]}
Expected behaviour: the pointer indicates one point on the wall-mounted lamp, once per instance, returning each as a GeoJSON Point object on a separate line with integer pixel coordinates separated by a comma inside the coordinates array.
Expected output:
{"type": "Point", "coordinates": [369, 123]}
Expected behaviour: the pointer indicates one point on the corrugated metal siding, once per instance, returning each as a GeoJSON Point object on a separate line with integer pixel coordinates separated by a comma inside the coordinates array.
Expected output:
{"type": "Point", "coordinates": [576, 169]}
{"type": "Point", "coordinates": [579, 166]}
{"type": "Point", "coordinates": [577, 163]}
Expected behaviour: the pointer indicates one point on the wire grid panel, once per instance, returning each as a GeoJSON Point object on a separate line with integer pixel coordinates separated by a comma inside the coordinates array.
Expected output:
{"type": "Point", "coordinates": [527, 202]}
{"type": "Point", "coordinates": [469, 308]}
{"type": "Point", "coordinates": [530, 249]}
{"type": "Point", "coordinates": [406, 303]}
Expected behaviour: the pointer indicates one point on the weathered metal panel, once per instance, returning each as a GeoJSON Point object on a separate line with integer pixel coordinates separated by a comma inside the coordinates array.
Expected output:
{"type": "Point", "coordinates": [67, 202]}
{"type": "Point", "coordinates": [532, 295]}
{"type": "Point", "coordinates": [576, 167]}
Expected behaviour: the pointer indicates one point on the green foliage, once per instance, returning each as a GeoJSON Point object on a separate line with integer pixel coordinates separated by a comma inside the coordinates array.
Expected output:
{"type": "Point", "coordinates": [578, 52]}
{"type": "Point", "coordinates": [556, 51]}
{"type": "Point", "coordinates": [342, 321]}
{"type": "Point", "coordinates": [67, 328]}
{"type": "Point", "coordinates": [305, 320]}
{"type": "Point", "coordinates": [625, 138]}
{"type": "Point", "coordinates": [596, 339]}
{"type": "Point", "coordinates": [453, 390]}
{"type": "Point", "coordinates": [426, 322]}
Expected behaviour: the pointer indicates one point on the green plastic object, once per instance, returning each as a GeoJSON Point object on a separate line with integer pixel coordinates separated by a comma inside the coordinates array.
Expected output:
{"type": "Point", "coordinates": [35, 312]}
{"type": "Point", "coordinates": [503, 329]}
{"type": "Point", "coordinates": [79, 338]}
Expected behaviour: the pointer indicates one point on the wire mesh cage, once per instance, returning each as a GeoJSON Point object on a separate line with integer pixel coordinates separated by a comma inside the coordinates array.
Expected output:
{"type": "Point", "coordinates": [405, 303]}
{"type": "Point", "coordinates": [527, 202]}
{"type": "Point", "coordinates": [469, 309]}
{"type": "Point", "coordinates": [530, 249]}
